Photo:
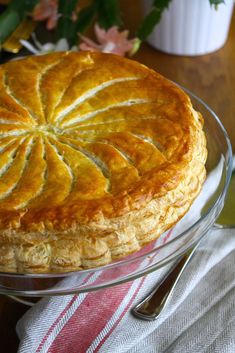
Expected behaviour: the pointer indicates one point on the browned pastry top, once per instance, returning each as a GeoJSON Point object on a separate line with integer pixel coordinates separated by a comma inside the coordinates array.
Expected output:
{"type": "Point", "coordinates": [87, 139]}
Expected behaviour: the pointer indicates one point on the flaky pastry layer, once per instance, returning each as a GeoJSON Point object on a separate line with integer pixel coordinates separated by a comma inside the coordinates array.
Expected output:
{"type": "Point", "coordinates": [99, 155]}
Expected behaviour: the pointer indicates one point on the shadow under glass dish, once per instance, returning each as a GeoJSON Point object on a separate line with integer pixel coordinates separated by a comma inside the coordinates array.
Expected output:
{"type": "Point", "coordinates": [165, 249]}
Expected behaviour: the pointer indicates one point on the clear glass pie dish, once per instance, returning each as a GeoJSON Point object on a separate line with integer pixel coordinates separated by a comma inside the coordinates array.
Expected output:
{"type": "Point", "coordinates": [171, 245]}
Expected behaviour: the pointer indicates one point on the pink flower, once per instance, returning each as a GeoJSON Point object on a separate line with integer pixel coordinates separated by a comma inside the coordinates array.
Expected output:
{"type": "Point", "coordinates": [47, 10]}
{"type": "Point", "coordinates": [110, 41]}
{"type": "Point", "coordinates": [75, 13]}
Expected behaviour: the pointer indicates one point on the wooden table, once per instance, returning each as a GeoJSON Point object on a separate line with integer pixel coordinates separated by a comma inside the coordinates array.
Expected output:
{"type": "Point", "coordinates": [211, 77]}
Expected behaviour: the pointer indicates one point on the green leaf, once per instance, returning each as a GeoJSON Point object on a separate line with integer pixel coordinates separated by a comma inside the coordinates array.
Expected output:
{"type": "Point", "coordinates": [108, 13]}
{"type": "Point", "coordinates": [216, 2]}
{"type": "Point", "coordinates": [152, 19]}
{"type": "Point", "coordinates": [227, 215]}
{"type": "Point", "coordinates": [13, 15]}
{"type": "Point", "coordinates": [149, 23]}
{"type": "Point", "coordinates": [66, 27]}
{"type": "Point", "coordinates": [161, 4]}
{"type": "Point", "coordinates": [85, 17]}
{"type": "Point", "coordinates": [23, 7]}
{"type": "Point", "coordinates": [66, 7]}
{"type": "Point", "coordinates": [9, 20]}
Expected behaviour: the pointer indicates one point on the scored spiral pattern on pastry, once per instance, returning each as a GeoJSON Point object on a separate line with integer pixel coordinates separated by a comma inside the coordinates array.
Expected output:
{"type": "Point", "coordinates": [77, 129]}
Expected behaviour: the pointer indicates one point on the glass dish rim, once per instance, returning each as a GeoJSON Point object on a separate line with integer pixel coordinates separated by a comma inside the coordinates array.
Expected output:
{"type": "Point", "coordinates": [124, 261]}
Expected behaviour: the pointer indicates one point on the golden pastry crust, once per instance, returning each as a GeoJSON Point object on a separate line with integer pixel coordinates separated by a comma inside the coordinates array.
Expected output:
{"type": "Point", "coordinates": [98, 156]}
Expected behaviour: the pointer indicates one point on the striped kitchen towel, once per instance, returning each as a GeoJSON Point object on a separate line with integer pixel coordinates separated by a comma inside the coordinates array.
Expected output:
{"type": "Point", "coordinates": [200, 316]}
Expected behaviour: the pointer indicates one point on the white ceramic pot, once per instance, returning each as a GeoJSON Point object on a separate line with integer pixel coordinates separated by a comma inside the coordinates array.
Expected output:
{"type": "Point", "coordinates": [191, 27]}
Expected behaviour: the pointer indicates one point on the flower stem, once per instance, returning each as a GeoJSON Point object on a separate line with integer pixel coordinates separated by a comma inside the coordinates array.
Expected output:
{"type": "Point", "coordinates": [9, 20]}
{"type": "Point", "coordinates": [152, 19]}
{"type": "Point", "coordinates": [108, 13]}
{"type": "Point", "coordinates": [13, 15]}
{"type": "Point", "coordinates": [66, 26]}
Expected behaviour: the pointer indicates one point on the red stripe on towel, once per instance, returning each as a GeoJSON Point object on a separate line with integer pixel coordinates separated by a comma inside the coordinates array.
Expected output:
{"type": "Point", "coordinates": [59, 317]}
{"type": "Point", "coordinates": [96, 309]}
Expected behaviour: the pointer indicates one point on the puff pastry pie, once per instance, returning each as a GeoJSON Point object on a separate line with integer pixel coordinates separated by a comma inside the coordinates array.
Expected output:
{"type": "Point", "coordinates": [99, 155]}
